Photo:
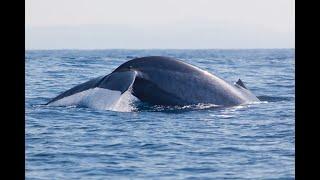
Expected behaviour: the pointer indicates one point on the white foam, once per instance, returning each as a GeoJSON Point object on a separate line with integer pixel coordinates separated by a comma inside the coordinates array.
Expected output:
{"type": "Point", "coordinates": [100, 99]}
{"type": "Point", "coordinates": [125, 102]}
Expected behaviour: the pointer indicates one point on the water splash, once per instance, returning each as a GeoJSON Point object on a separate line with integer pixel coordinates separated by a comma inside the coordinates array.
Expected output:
{"type": "Point", "coordinates": [100, 99]}
{"type": "Point", "coordinates": [125, 103]}
{"type": "Point", "coordinates": [104, 99]}
{"type": "Point", "coordinates": [141, 106]}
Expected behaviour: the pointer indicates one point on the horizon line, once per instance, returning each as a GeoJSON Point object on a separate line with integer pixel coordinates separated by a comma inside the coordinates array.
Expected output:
{"type": "Point", "coordinates": [61, 49]}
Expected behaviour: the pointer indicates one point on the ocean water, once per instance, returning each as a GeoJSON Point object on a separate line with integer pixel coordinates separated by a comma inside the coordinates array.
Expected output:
{"type": "Point", "coordinates": [138, 141]}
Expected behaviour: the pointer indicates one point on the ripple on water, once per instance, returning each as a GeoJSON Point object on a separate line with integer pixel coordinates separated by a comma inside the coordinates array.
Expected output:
{"type": "Point", "coordinates": [160, 142]}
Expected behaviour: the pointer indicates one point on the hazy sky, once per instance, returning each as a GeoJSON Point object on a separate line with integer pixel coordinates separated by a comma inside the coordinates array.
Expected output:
{"type": "Point", "coordinates": [136, 24]}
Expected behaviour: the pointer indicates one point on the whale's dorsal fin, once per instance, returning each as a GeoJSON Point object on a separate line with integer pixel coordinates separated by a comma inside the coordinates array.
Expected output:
{"type": "Point", "coordinates": [240, 83]}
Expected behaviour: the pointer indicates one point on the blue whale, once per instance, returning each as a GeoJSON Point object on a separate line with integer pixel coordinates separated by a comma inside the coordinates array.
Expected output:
{"type": "Point", "coordinates": [158, 80]}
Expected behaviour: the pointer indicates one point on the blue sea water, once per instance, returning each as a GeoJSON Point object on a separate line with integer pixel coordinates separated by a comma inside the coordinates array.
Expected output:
{"type": "Point", "coordinates": [254, 141]}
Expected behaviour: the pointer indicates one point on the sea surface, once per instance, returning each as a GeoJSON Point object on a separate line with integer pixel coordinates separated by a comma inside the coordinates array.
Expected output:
{"type": "Point", "coordinates": [140, 141]}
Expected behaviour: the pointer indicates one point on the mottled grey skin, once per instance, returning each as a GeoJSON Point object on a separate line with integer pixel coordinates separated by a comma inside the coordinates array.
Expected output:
{"type": "Point", "coordinates": [167, 81]}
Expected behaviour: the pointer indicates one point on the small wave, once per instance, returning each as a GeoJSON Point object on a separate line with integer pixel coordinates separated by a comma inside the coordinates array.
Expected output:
{"type": "Point", "coordinates": [175, 109]}
{"type": "Point", "coordinates": [274, 98]}
{"type": "Point", "coordinates": [129, 103]}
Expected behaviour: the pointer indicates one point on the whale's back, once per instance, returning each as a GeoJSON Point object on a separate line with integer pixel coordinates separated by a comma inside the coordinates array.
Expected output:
{"type": "Point", "coordinates": [160, 80]}
{"type": "Point", "coordinates": [164, 80]}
